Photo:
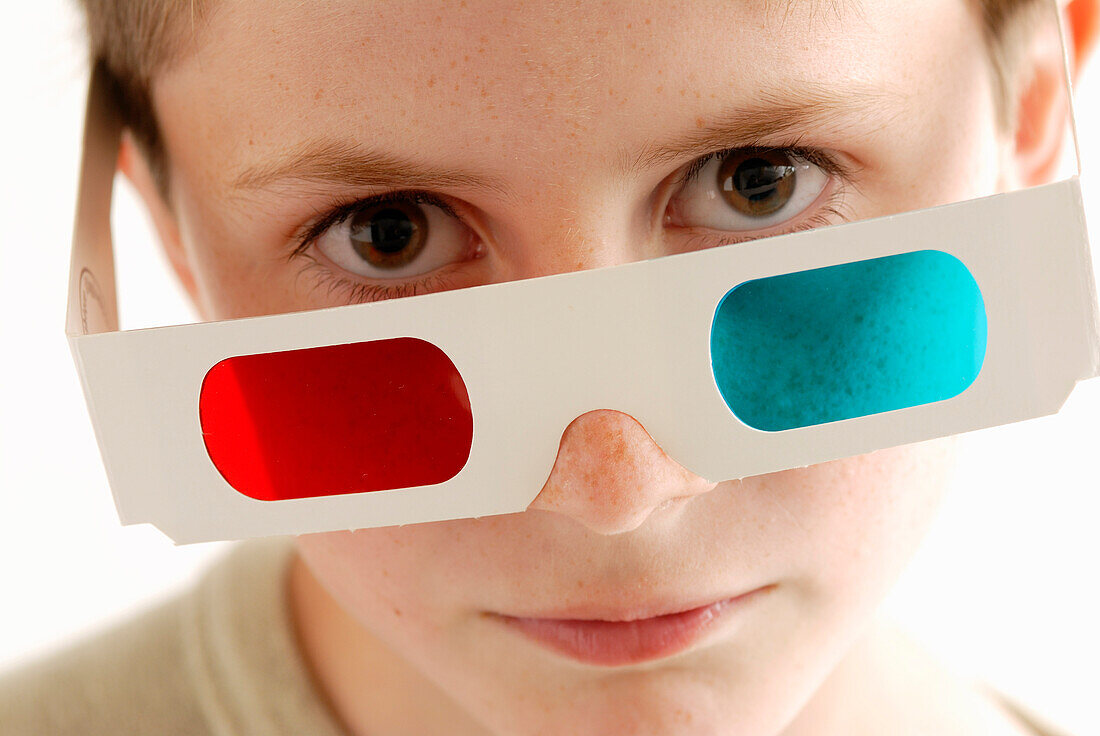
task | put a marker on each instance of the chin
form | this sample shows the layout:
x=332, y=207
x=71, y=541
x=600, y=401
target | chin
x=673, y=700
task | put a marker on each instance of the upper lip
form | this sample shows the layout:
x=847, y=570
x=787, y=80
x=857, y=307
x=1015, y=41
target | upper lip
x=625, y=609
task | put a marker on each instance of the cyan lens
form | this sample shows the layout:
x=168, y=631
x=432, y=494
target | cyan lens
x=847, y=341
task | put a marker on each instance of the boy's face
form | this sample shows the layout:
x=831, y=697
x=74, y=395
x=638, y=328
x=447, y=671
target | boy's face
x=536, y=125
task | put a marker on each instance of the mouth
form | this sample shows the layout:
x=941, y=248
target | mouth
x=612, y=639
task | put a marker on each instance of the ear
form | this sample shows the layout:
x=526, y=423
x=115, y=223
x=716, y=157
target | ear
x=134, y=166
x=1082, y=21
x=1041, y=107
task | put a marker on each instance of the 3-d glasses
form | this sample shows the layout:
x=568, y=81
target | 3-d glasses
x=738, y=360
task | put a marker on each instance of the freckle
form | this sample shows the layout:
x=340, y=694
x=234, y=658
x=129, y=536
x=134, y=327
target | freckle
x=648, y=21
x=660, y=88
x=465, y=57
x=431, y=81
x=317, y=94
x=250, y=142
x=683, y=92
x=456, y=88
x=487, y=139
x=453, y=64
x=698, y=122
x=396, y=611
x=629, y=25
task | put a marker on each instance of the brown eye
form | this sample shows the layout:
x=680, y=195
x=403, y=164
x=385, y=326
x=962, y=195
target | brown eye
x=757, y=183
x=389, y=235
x=749, y=190
x=398, y=237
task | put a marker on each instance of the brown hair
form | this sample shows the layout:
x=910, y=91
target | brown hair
x=135, y=39
x=1008, y=25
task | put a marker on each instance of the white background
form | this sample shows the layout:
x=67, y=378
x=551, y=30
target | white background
x=1004, y=588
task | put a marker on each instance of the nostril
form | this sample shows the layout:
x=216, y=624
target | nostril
x=678, y=501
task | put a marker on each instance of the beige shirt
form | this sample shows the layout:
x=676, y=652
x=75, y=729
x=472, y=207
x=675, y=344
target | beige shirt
x=219, y=660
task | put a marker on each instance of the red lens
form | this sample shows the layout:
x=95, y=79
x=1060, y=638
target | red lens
x=369, y=416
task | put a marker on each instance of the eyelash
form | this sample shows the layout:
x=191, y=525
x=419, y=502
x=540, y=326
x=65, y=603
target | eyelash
x=355, y=292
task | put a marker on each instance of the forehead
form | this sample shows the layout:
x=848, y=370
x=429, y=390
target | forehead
x=520, y=82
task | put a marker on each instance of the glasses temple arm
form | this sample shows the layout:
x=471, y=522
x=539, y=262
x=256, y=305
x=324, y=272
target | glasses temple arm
x=92, y=303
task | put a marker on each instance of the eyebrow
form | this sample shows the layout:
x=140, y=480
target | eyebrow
x=785, y=113
x=325, y=161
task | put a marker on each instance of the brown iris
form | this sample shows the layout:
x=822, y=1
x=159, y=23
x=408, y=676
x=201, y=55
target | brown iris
x=757, y=183
x=389, y=234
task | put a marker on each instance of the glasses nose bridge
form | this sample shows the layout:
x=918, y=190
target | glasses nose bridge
x=634, y=339
x=618, y=352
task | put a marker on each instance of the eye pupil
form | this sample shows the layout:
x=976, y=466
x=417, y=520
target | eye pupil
x=389, y=235
x=756, y=179
x=391, y=230
x=758, y=185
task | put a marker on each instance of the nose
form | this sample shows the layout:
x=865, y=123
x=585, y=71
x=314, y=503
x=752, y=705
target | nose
x=610, y=475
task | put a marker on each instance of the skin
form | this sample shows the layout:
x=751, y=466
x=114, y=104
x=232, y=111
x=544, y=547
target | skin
x=398, y=624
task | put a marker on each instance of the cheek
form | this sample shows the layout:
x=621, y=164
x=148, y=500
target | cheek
x=419, y=588
x=383, y=577
x=864, y=517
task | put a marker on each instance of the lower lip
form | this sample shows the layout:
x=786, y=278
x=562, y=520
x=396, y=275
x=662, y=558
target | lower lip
x=617, y=643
